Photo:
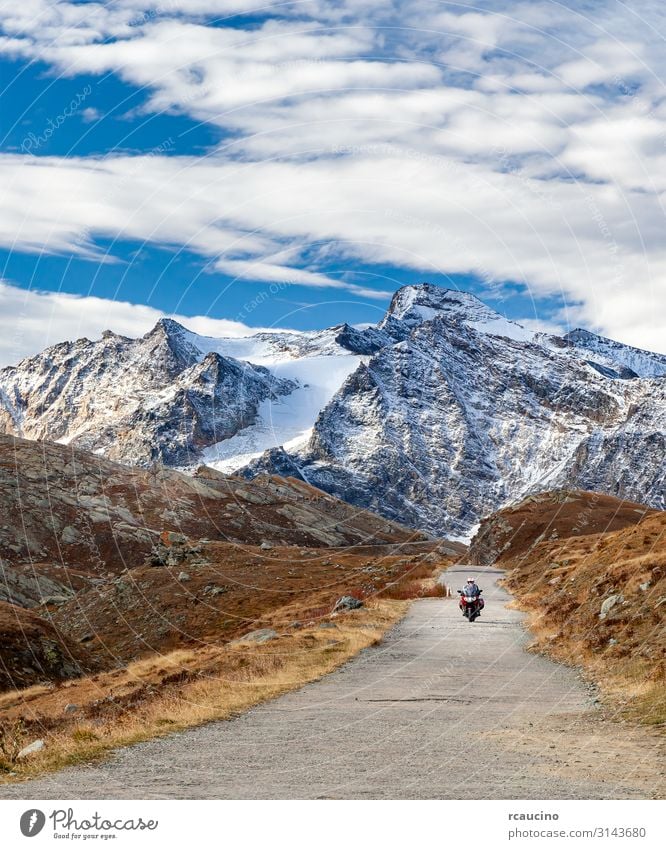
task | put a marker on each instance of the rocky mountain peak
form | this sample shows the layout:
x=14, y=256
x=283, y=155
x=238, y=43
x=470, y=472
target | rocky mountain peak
x=170, y=341
x=442, y=413
x=414, y=305
x=426, y=295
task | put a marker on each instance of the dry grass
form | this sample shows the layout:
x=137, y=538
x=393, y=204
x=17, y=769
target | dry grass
x=562, y=585
x=418, y=581
x=416, y=588
x=157, y=696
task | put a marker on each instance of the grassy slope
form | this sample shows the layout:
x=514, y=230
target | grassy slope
x=167, y=693
x=563, y=579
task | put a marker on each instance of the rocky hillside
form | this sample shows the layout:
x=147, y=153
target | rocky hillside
x=101, y=561
x=591, y=571
x=70, y=517
x=442, y=413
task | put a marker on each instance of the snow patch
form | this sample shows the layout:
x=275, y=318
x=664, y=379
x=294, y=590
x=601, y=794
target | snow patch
x=287, y=421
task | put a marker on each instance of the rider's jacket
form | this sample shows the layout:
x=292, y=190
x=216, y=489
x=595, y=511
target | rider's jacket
x=471, y=589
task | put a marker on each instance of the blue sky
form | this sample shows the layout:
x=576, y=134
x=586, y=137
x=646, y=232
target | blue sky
x=243, y=165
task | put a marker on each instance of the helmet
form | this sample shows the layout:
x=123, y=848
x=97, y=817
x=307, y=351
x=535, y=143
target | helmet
x=471, y=581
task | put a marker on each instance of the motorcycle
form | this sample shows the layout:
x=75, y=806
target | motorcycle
x=471, y=605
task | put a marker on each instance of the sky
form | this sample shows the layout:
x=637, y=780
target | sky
x=239, y=164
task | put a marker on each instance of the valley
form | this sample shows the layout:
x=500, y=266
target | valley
x=192, y=527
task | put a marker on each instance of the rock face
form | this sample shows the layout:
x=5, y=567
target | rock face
x=442, y=413
x=33, y=650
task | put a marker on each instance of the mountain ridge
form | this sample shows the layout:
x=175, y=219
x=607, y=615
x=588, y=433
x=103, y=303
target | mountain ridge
x=443, y=410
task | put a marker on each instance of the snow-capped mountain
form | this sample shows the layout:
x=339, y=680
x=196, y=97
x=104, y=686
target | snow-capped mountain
x=176, y=397
x=136, y=400
x=440, y=414
x=466, y=411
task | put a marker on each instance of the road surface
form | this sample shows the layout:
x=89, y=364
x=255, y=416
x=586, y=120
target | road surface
x=441, y=709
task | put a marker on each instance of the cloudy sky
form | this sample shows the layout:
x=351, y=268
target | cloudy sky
x=244, y=164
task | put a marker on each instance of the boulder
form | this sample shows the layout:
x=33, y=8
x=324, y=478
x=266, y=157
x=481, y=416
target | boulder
x=173, y=538
x=183, y=577
x=609, y=604
x=32, y=749
x=70, y=535
x=347, y=602
x=212, y=589
x=263, y=635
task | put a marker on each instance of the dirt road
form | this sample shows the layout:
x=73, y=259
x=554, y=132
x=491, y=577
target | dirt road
x=442, y=709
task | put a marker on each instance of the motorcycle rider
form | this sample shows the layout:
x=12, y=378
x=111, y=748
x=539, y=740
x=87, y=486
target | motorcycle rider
x=471, y=588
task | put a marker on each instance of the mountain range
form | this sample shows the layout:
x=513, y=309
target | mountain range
x=438, y=415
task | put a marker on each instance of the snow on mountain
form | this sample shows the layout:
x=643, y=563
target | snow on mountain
x=412, y=305
x=179, y=398
x=632, y=362
x=443, y=412
x=287, y=420
x=464, y=415
x=159, y=397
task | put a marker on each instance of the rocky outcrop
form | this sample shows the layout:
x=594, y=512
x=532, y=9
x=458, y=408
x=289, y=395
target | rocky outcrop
x=33, y=650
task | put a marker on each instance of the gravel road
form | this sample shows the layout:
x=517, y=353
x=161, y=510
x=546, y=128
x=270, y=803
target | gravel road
x=441, y=709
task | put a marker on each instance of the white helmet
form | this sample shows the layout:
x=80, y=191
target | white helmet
x=471, y=581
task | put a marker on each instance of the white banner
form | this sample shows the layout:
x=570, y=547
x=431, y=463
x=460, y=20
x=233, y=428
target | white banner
x=335, y=824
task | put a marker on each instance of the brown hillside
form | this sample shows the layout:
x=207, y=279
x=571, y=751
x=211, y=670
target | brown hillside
x=80, y=516
x=550, y=516
x=596, y=592
x=123, y=562
x=32, y=650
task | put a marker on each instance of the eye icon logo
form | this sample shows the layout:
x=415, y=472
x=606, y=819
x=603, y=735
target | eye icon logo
x=32, y=822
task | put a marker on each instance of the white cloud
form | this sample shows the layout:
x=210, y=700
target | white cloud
x=584, y=241
x=518, y=140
